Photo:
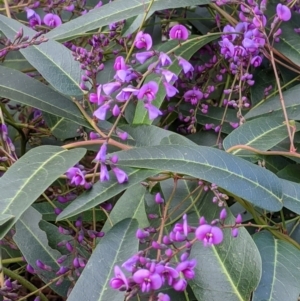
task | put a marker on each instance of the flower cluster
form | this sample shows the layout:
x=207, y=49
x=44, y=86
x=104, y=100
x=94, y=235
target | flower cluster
x=147, y=275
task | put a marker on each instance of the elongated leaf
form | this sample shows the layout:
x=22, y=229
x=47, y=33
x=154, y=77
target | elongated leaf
x=291, y=195
x=186, y=51
x=115, y=247
x=16, y=60
x=53, y=60
x=289, y=44
x=33, y=244
x=260, y=133
x=130, y=205
x=27, y=179
x=290, y=172
x=113, y=12
x=60, y=127
x=23, y=89
x=258, y=186
x=281, y=269
x=229, y=271
x=272, y=106
x=103, y=191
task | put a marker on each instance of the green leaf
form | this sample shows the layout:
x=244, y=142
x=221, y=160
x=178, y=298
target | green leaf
x=60, y=127
x=183, y=199
x=103, y=191
x=239, y=177
x=48, y=212
x=54, y=61
x=27, y=179
x=130, y=205
x=226, y=272
x=16, y=60
x=260, y=133
x=4, y=218
x=290, y=172
x=186, y=50
x=21, y=88
x=263, y=79
x=113, y=12
x=281, y=269
x=289, y=44
x=33, y=244
x=118, y=245
x=291, y=195
x=272, y=107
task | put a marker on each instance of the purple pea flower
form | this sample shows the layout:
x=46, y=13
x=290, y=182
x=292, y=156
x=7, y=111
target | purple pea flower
x=148, y=90
x=97, y=97
x=170, y=90
x=52, y=20
x=163, y=297
x=101, y=155
x=119, y=280
x=164, y=59
x=147, y=280
x=153, y=111
x=125, y=93
x=180, y=285
x=142, y=57
x=100, y=113
x=193, y=96
x=120, y=174
x=120, y=63
x=185, y=65
x=33, y=17
x=143, y=40
x=76, y=176
x=179, y=32
x=104, y=175
x=111, y=87
x=210, y=235
x=187, y=268
x=130, y=264
x=283, y=12
x=169, y=76
x=158, y=199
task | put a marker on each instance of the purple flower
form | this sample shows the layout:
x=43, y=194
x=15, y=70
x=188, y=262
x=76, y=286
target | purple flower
x=120, y=63
x=119, y=280
x=179, y=32
x=141, y=234
x=234, y=232
x=231, y=36
x=116, y=111
x=142, y=57
x=223, y=214
x=180, y=285
x=33, y=17
x=153, y=111
x=186, y=66
x=256, y=61
x=163, y=297
x=227, y=48
x=147, y=280
x=210, y=235
x=100, y=113
x=101, y=155
x=238, y=219
x=148, y=90
x=283, y=12
x=164, y=59
x=104, y=175
x=193, y=96
x=125, y=93
x=169, y=76
x=43, y=266
x=52, y=20
x=170, y=90
x=121, y=175
x=143, y=40
x=111, y=87
x=76, y=176
x=130, y=264
x=158, y=198
x=187, y=268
